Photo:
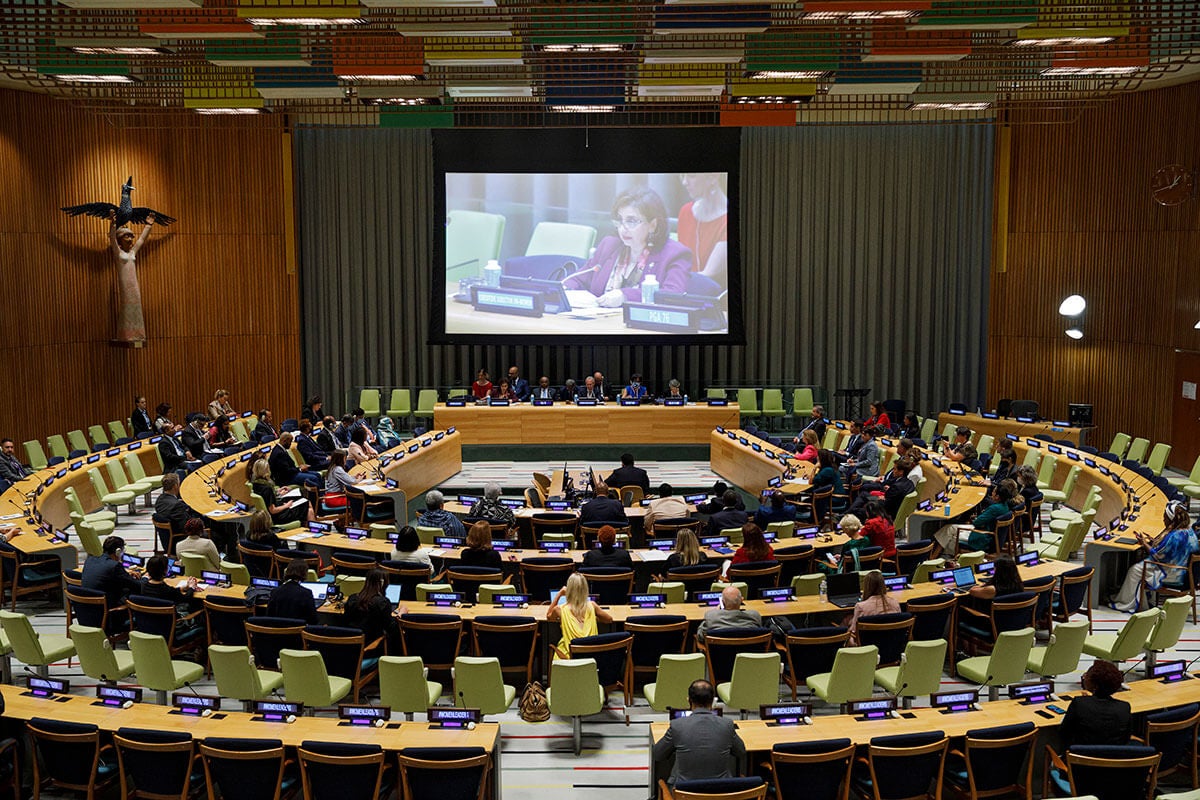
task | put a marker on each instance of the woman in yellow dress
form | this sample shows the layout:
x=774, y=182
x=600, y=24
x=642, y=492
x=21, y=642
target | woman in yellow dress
x=578, y=616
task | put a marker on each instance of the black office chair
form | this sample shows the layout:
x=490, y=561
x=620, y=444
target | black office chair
x=818, y=770
x=933, y=618
x=156, y=763
x=1173, y=734
x=225, y=618
x=439, y=773
x=654, y=636
x=909, y=556
x=248, y=769
x=258, y=559
x=70, y=756
x=268, y=635
x=902, y=766
x=613, y=665
x=510, y=640
x=716, y=789
x=1010, y=612
x=757, y=575
x=90, y=607
x=611, y=584
x=794, y=560
x=542, y=576
x=1074, y=596
x=433, y=637
x=721, y=646
x=1110, y=772
x=159, y=618
x=468, y=579
x=1025, y=408
x=337, y=769
x=889, y=632
x=993, y=761
x=811, y=651
x=696, y=578
x=344, y=563
x=406, y=575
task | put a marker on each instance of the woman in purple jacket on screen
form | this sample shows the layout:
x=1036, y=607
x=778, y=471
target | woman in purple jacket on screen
x=641, y=247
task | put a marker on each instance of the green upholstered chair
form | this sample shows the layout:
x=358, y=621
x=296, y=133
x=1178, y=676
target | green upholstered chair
x=6, y=652
x=368, y=401
x=907, y=506
x=985, y=444
x=1126, y=643
x=1063, y=493
x=34, y=454
x=237, y=677
x=561, y=239
x=117, y=431
x=1167, y=630
x=78, y=441
x=91, y=534
x=1005, y=664
x=478, y=683
x=1191, y=479
x=486, y=592
x=194, y=564
x=852, y=676
x=58, y=446
x=137, y=473
x=676, y=672
x=113, y=498
x=98, y=436
x=1158, y=458
x=238, y=574
x=1120, y=444
x=676, y=591
x=1061, y=515
x=306, y=681
x=121, y=483
x=426, y=400
x=423, y=590
x=772, y=407
x=156, y=670
x=1138, y=449
x=783, y=530
x=75, y=505
x=400, y=404
x=1060, y=547
x=832, y=435
x=755, y=681
x=238, y=428
x=97, y=658
x=928, y=429
x=919, y=672
x=428, y=533
x=32, y=649
x=472, y=239
x=715, y=394
x=807, y=585
x=1061, y=655
x=350, y=585
x=925, y=568
x=802, y=402
x=748, y=403
x=971, y=557
x=575, y=692
x=1031, y=458
x=403, y=685
x=1046, y=472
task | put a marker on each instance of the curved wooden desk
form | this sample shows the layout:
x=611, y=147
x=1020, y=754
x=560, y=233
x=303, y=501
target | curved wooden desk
x=1002, y=425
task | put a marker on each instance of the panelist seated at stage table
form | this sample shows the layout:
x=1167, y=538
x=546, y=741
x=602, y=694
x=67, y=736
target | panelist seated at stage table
x=434, y=516
x=730, y=516
x=169, y=507
x=601, y=384
x=576, y=613
x=665, y=506
x=866, y=461
x=674, y=391
x=310, y=450
x=544, y=391
x=505, y=392
x=607, y=554
x=602, y=507
x=518, y=385
x=291, y=600
x=641, y=248
x=1097, y=717
x=284, y=470
x=1171, y=551
x=729, y=614
x=11, y=469
x=490, y=507
x=635, y=390
x=481, y=389
x=105, y=573
x=568, y=392
x=628, y=474
x=589, y=390
x=704, y=744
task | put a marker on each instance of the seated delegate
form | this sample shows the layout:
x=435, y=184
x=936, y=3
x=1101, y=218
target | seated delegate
x=641, y=248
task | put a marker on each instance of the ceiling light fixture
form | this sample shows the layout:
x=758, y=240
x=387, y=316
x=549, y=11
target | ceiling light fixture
x=1074, y=333
x=1066, y=41
x=1072, y=306
x=395, y=101
x=117, y=51
x=582, y=47
x=861, y=15
x=1089, y=72
x=85, y=78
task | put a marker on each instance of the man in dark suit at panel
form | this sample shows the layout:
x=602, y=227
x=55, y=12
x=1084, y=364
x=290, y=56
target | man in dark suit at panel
x=704, y=745
x=601, y=508
x=544, y=391
x=284, y=470
x=629, y=475
x=194, y=437
x=518, y=385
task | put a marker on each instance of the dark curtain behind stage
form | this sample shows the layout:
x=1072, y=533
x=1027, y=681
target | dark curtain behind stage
x=865, y=263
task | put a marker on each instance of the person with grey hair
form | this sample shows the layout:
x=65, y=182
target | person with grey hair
x=491, y=509
x=434, y=516
x=567, y=395
x=729, y=614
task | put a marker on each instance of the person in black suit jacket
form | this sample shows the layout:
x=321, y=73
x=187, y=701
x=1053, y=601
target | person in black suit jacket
x=544, y=390
x=895, y=487
x=140, y=420
x=601, y=508
x=290, y=599
x=107, y=574
x=283, y=467
x=312, y=452
x=265, y=428
x=567, y=393
x=324, y=437
x=11, y=469
x=170, y=508
x=174, y=455
x=718, y=502
x=730, y=516
x=194, y=437
x=629, y=475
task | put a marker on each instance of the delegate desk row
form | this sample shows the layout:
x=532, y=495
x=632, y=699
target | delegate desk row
x=38, y=505
x=997, y=426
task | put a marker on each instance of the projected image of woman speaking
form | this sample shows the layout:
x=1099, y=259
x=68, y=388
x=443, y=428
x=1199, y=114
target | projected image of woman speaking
x=641, y=249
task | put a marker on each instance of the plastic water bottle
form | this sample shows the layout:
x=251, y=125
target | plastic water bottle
x=823, y=589
x=649, y=289
x=491, y=273
x=946, y=512
x=685, y=399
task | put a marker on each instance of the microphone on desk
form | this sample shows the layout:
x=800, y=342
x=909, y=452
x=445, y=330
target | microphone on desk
x=206, y=712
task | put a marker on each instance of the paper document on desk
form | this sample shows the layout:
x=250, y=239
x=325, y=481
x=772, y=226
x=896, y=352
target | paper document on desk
x=290, y=494
x=220, y=512
x=12, y=516
x=581, y=298
x=654, y=555
x=301, y=536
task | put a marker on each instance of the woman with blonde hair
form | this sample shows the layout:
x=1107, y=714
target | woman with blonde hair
x=809, y=451
x=687, y=550
x=578, y=615
x=281, y=512
x=219, y=407
x=853, y=528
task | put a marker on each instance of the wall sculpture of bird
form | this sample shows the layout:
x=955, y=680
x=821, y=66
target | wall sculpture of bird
x=126, y=212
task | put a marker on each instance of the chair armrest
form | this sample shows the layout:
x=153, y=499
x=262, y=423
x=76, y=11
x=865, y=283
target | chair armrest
x=507, y=580
x=974, y=612
x=373, y=646
x=1051, y=759
x=957, y=752
x=194, y=614
x=664, y=791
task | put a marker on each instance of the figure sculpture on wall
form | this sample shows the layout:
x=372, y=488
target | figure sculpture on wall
x=131, y=323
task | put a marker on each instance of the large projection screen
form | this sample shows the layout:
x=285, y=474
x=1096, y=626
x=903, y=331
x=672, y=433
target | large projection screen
x=575, y=237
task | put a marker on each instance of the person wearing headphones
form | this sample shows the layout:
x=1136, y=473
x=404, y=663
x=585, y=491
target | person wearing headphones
x=264, y=430
x=107, y=574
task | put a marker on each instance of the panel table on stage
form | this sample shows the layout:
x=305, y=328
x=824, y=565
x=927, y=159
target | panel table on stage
x=566, y=423
x=997, y=427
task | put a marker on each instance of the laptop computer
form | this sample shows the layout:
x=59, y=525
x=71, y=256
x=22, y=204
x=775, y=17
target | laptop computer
x=843, y=589
x=964, y=579
x=393, y=593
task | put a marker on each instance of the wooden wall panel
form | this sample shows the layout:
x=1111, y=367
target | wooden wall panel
x=1081, y=220
x=220, y=307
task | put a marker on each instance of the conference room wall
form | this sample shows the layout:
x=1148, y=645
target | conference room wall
x=1082, y=220
x=865, y=264
x=219, y=302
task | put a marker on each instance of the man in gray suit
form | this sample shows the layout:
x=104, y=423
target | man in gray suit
x=729, y=615
x=703, y=743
